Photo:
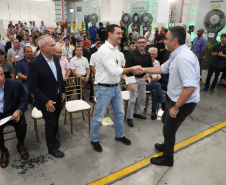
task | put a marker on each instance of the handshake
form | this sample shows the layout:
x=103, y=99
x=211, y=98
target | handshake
x=137, y=70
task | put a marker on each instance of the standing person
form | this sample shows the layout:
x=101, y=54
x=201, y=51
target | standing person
x=13, y=101
x=199, y=45
x=101, y=32
x=124, y=38
x=191, y=29
x=217, y=64
x=46, y=83
x=133, y=36
x=107, y=90
x=160, y=45
x=22, y=70
x=188, y=38
x=183, y=91
x=68, y=27
x=137, y=90
x=42, y=27
x=150, y=37
x=57, y=28
x=92, y=32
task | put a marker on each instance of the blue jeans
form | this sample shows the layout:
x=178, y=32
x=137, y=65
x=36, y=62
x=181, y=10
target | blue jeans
x=28, y=93
x=156, y=91
x=104, y=96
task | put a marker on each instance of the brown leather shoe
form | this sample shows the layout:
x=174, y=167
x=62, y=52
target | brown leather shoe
x=23, y=152
x=4, y=160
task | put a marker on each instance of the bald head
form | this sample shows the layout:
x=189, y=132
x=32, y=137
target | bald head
x=58, y=52
x=47, y=46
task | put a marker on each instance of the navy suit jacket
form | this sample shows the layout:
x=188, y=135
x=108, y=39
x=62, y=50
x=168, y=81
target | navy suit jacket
x=42, y=83
x=14, y=97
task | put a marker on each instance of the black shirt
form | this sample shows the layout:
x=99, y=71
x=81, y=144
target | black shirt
x=123, y=28
x=218, y=61
x=135, y=58
x=102, y=33
x=160, y=45
x=19, y=38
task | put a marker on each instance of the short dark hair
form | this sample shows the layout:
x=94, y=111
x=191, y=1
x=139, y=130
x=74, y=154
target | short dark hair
x=179, y=33
x=132, y=43
x=78, y=47
x=165, y=30
x=111, y=28
x=133, y=25
x=26, y=48
x=223, y=35
x=100, y=43
x=97, y=39
x=78, y=41
x=141, y=37
x=67, y=38
x=101, y=24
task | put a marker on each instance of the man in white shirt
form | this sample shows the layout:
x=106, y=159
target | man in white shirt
x=57, y=28
x=16, y=51
x=107, y=90
x=80, y=68
x=42, y=27
x=67, y=49
x=150, y=37
x=188, y=38
x=34, y=27
x=93, y=58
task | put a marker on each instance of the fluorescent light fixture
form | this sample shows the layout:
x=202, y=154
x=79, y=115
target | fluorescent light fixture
x=71, y=10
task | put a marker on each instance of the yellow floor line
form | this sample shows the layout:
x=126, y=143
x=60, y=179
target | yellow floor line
x=143, y=163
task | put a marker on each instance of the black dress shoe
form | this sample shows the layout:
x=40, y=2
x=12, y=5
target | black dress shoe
x=139, y=116
x=124, y=140
x=56, y=153
x=163, y=106
x=162, y=161
x=96, y=146
x=57, y=144
x=159, y=147
x=153, y=115
x=204, y=89
x=130, y=122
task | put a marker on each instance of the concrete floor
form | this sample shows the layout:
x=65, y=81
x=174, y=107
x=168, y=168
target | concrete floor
x=200, y=163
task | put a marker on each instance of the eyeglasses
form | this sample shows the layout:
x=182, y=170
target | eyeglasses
x=141, y=42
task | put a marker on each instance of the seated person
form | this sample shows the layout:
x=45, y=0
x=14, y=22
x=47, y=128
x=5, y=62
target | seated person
x=9, y=70
x=154, y=86
x=94, y=48
x=13, y=95
x=67, y=49
x=92, y=59
x=85, y=41
x=85, y=52
x=80, y=68
x=16, y=51
x=162, y=79
x=22, y=70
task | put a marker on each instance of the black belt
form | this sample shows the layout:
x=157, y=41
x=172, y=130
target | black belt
x=107, y=85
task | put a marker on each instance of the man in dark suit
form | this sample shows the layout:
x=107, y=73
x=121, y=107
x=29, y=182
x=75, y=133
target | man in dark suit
x=9, y=44
x=45, y=81
x=13, y=101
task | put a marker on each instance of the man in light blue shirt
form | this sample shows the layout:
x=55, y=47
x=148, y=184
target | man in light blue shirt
x=183, y=90
x=80, y=36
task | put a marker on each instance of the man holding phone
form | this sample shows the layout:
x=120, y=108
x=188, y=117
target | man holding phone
x=219, y=55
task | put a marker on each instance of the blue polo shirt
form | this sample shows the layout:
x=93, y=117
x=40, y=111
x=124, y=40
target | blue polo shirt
x=93, y=32
x=22, y=67
x=218, y=61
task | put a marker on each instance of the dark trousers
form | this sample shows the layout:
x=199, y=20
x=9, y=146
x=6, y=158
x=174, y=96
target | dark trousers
x=20, y=128
x=171, y=125
x=211, y=70
x=51, y=124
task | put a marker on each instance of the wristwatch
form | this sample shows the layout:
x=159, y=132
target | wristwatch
x=176, y=107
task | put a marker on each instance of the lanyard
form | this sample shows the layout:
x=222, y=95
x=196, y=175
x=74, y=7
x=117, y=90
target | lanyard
x=16, y=51
x=67, y=49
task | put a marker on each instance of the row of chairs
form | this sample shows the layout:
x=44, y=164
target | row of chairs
x=74, y=105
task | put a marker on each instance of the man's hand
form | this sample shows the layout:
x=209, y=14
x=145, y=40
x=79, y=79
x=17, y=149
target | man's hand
x=50, y=106
x=86, y=79
x=132, y=86
x=137, y=70
x=65, y=78
x=83, y=79
x=16, y=116
x=173, y=112
x=63, y=97
x=220, y=54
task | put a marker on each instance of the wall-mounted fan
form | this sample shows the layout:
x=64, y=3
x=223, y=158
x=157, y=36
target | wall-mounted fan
x=90, y=18
x=146, y=19
x=126, y=18
x=136, y=21
x=214, y=22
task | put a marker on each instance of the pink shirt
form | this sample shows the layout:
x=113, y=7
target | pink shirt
x=64, y=66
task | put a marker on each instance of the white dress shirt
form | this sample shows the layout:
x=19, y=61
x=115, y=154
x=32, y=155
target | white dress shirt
x=123, y=60
x=150, y=39
x=79, y=65
x=108, y=65
x=188, y=40
x=93, y=60
x=67, y=51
